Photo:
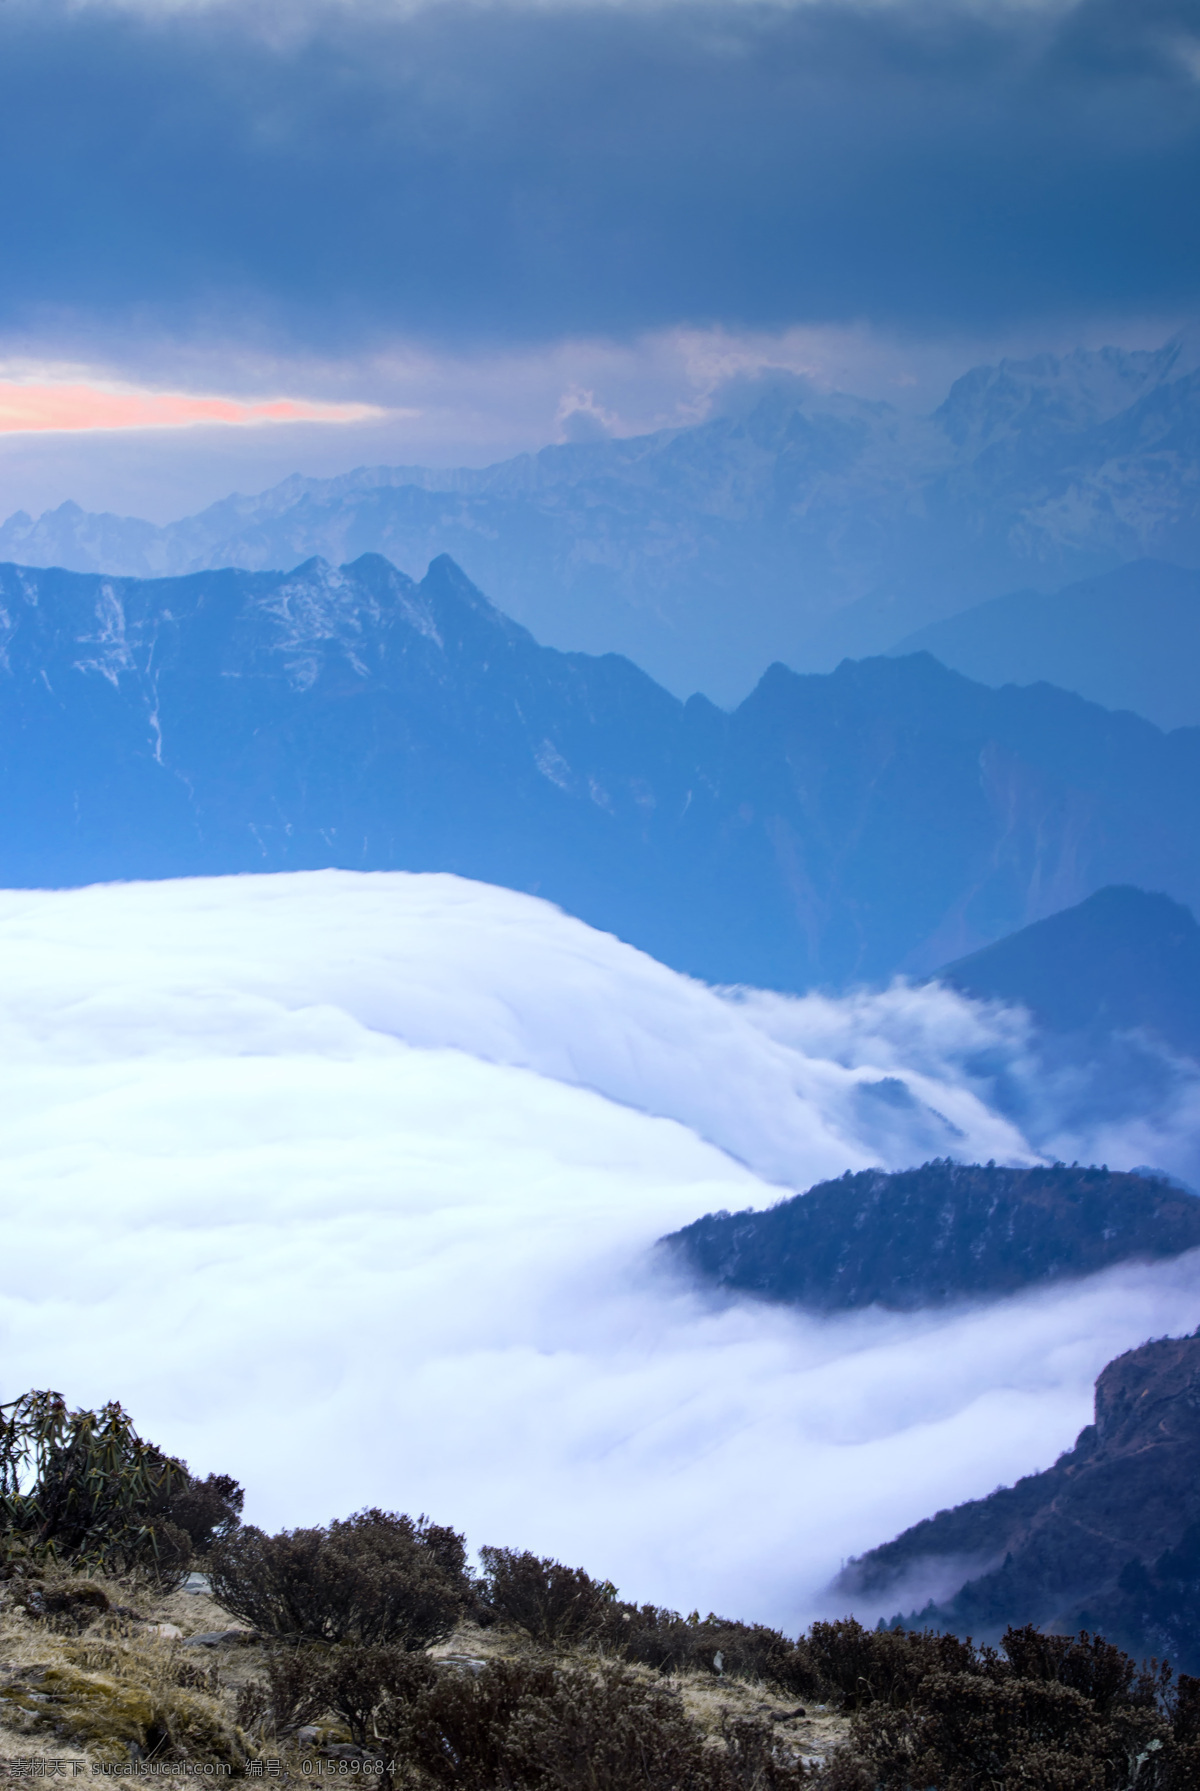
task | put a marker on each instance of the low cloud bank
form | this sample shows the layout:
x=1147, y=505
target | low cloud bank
x=345, y=1184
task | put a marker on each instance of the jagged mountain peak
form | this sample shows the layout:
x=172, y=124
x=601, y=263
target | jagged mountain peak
x=791, y=524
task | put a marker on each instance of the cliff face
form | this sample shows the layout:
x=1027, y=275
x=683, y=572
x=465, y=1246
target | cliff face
x=944, y=1232
x=1107, y=1538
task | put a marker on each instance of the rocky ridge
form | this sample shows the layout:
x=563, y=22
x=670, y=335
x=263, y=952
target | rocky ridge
x=1108, y=1538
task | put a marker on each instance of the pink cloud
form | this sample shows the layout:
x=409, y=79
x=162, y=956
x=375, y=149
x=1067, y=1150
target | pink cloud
x=28, y=407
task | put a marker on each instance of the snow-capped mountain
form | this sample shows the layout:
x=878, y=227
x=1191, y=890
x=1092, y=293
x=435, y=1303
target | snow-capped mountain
x=791, y=525
x=888, y=816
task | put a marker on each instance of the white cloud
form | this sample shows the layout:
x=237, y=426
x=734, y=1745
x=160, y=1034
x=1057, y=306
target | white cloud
x=345, y=1184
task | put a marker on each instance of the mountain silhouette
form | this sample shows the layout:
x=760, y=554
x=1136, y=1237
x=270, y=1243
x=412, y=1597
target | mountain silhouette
x=1123, y=959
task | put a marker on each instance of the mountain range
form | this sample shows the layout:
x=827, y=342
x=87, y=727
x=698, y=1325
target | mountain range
x=791, y=525
x=889, y=816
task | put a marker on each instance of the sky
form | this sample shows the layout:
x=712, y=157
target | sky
x=496, y=224
x=348, y=1185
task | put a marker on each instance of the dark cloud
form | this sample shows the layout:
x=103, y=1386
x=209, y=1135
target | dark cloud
x=503, y=173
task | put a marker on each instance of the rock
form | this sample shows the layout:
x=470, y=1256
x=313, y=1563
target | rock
x=222, y=1638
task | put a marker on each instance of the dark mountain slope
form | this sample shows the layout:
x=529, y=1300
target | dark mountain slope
x=887, y=816
x=1129, y=640
x=1121, y=959
x=944, y=1232
x=1106, y=1536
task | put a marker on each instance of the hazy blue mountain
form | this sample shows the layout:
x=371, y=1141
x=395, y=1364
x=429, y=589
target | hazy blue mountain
x=1107, y=1539
x=790, y=526
x=1129, y=639
x=930, y=1236
x=1121, y=959
x=889, y=816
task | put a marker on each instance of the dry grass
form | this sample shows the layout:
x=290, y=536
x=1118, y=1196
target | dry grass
x=116, y=1691
x=708, y=1699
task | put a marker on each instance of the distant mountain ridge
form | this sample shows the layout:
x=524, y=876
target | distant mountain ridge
x=889, y=816
x=1108, y=1538
x=935, y=1235
x=792, y=525
x=1129, y=639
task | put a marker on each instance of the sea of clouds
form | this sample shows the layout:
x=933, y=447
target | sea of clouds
x=348, y=1185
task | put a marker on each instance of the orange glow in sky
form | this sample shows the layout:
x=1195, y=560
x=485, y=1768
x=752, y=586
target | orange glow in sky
x=71, y=407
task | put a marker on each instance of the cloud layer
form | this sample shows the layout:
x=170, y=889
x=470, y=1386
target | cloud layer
x=347, y=1185
x=342, y=173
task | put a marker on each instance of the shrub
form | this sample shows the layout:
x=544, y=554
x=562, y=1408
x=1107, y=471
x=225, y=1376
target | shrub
x=662, y=1639
x=611, y=1731
x=552, y=1603
x=457, y=1732
x=1046, y=1713
x=83, y=1488
x=359, y=1684
x=291, y=1692
x=967, y=1731
x=207, y=1511
x=376, y=1577
x=523, y=1723
x=1105, y=1675
x=859, y=1667
x=1184, y=1767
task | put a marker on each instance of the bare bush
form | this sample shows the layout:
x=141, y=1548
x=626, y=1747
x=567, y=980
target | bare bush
x=458, y=1731
x=609, y=1730
x=859, y=1667
x=360, y=1684
x=1046, y=1713
x=526, y=1724
x=550, y=1602
x=660, y=1638
x=373, y=1578
x=1104, y=1674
